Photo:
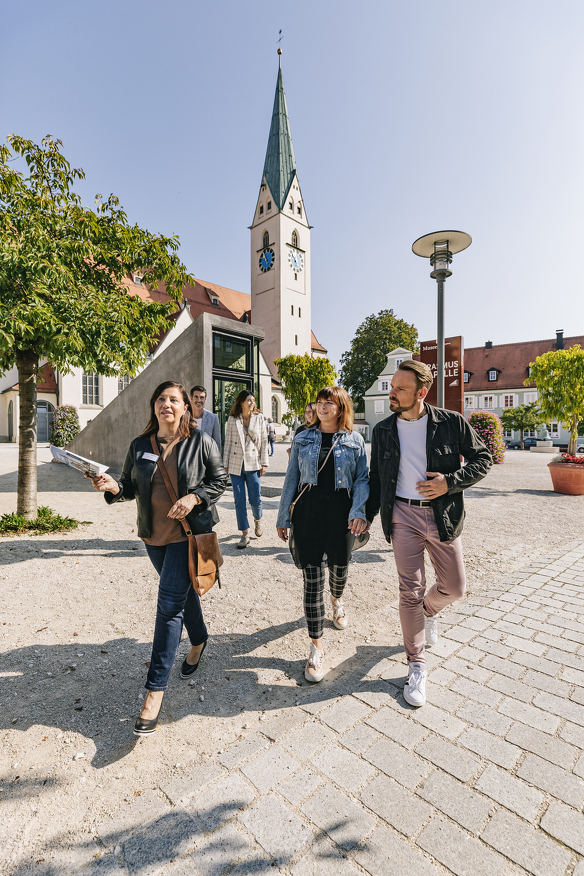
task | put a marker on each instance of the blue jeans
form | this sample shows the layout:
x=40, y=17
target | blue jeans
x=177, y=604
x=238, y=482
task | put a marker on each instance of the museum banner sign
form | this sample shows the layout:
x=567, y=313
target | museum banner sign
x=453, y=371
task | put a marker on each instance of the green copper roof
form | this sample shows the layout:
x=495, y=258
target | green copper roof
x=280, y=164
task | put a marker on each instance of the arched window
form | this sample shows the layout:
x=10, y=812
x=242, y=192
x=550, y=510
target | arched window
x=291, y=205
x=261, y=209
x=274, y=409
x=299, y=209
x=294, y=238
x=266, y=240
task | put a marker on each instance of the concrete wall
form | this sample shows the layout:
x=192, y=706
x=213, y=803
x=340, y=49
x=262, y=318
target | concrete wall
x=187, y=360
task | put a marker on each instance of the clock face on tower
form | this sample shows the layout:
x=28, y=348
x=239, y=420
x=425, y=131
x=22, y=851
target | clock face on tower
x=296, y=260
x=267, y=260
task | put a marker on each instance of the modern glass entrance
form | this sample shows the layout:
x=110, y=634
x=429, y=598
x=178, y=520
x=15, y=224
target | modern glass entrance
x=224, y=394
x=235, y=367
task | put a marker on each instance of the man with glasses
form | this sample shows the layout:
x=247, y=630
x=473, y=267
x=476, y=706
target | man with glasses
x=206, y=420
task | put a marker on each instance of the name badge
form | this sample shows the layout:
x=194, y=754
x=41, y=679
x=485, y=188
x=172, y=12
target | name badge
x=150, y=457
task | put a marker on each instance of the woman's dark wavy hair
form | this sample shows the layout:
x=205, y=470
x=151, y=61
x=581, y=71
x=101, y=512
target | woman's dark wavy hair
x=187, y=423
x=238, y=405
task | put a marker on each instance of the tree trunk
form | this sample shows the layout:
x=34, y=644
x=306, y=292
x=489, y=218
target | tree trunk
x=573, y=445
x=521, y=444
x=27, y=363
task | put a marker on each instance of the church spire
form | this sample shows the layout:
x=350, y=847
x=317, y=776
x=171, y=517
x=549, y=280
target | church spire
x=280, y=164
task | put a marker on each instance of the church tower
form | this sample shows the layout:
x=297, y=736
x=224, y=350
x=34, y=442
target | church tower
x=280, y=247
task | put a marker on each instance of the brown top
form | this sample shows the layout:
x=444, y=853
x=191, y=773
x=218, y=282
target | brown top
x=165, y=530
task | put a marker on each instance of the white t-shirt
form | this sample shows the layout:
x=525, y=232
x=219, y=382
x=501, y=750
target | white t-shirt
x=199, y=422
x=412, y=464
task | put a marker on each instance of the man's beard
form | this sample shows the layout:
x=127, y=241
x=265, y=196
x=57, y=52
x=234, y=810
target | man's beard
x=398, y=409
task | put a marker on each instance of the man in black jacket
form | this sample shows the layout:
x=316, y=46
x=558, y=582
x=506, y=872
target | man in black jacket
x=416, y=480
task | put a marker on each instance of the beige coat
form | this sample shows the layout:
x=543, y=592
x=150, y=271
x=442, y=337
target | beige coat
x=251, y=453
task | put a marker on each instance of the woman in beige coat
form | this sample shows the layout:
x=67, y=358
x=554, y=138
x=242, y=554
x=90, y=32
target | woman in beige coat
x=245, y=457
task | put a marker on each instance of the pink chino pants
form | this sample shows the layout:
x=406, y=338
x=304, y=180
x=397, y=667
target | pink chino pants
x=414, y=529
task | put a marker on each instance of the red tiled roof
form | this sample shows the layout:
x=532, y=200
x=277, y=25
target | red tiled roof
x=315, y=345
x=510, y=360
x=47, y=384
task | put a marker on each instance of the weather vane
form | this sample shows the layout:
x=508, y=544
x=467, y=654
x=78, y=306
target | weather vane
x=279, y=47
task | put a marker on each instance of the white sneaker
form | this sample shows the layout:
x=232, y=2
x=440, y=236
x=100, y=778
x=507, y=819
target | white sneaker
x=415, y=689
x=432, y=630
x=339, y=618
x=314, y=670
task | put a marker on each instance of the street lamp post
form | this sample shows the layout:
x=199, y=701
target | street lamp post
x=439, y=247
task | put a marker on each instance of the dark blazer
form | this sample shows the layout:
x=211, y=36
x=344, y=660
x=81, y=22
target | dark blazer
x=449, y=436
x=200, y=471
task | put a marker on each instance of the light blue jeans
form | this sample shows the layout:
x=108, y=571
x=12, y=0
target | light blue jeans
x=239, y=482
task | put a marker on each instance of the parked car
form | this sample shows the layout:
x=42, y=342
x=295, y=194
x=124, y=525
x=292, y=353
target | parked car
x=516, y=445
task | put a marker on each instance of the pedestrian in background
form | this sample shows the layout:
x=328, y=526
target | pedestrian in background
x=271, y=434
x=309, y=418
x=246, y=459
x=417, y=482
x=206, y=420
x=196, y=472
x=327, y=485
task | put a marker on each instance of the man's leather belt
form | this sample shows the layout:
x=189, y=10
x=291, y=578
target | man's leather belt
x=419, y=503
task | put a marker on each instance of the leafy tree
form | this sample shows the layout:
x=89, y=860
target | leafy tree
x=522, y=417
x=374, y=339
x=302, y=377
x=559, y=377
x=62, y=293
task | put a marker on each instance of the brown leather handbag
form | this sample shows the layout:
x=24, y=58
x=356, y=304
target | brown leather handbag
x=205, y=556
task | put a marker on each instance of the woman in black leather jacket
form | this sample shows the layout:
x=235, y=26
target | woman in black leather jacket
x=194, y=466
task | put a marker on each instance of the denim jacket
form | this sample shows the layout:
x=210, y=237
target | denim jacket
x=351, y=470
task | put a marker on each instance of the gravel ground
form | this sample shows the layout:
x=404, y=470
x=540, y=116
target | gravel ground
x=77, y=613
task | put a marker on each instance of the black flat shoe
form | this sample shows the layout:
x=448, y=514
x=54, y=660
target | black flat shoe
x=187, y=669
x=143, y=727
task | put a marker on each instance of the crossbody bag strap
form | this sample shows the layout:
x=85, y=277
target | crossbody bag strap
x=306, y=486
x=167, y=481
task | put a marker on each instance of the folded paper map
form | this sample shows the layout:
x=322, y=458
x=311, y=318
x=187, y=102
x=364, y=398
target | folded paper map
x=88, y=466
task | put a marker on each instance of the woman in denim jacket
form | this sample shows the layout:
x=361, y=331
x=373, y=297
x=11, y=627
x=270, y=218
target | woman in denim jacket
x=328, y=481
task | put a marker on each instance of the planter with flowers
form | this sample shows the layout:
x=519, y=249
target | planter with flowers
x=567, y=473
x=559, y=377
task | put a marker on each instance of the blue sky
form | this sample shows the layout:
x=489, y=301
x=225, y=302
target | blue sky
x=406, y=118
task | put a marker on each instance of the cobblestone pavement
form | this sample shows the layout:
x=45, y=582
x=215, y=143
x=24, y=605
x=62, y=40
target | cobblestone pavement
x=344, y=777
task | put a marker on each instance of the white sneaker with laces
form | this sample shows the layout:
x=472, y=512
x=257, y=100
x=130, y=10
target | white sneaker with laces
x=432, y=630
x=339, y=617
x=415, y=689
x=314, y=670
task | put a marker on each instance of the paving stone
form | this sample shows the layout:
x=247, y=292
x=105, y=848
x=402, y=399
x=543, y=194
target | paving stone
x=553, y=779
x=573, y=734
x=489, y=614
x=529, y=715
x=458, y=851
x=535, y=648
x=510, y=792
x=558, y=706
x=450, y=758
x=567, y=826
x=342, y=819
x=525, y=845
x=513, y=629
x=471, y=654
x=343, y=767
x=492, y=645
x=540, y=664
x=323, y=859
x=344, y=713
x=224, y=848
x=445, y=647
x=559, y=644
x=299, y=786
x=303, y=742
x=578, y=695
x=439, y=721
x=490, y=747
x=394, y=804
x=483, y=716
x=468, y=670
x=461, y=804
x=459, y=634
x=317, y=700
x=543, y=682
x=375, y=692
x=240, y=751
x=377, y=668
x=148, y=807
x=477, y=692
x=222, y=800
x=171, y=836
x=253, y=865
x=397, y=727
x=385, y=854
x=475, y=623
x=542, y=744
x=565, y=659
x=269, y=768
x=181, y=787
x=396, y=762
x=279, y=724
x=504, y=667
x=359, y=738
x=441, y=676
x=444, y=698
x=396, y=675
x=276, y=828
x=511, y=688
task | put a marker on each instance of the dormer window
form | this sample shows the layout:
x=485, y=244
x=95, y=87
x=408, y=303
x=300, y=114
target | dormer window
x=269, y=205
x=493, y=375
x=261, y=209
x=213, y=297
x=137, y=279
x=466, y=376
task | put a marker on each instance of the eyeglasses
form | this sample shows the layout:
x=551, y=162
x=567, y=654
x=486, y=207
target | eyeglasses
x=326, y=404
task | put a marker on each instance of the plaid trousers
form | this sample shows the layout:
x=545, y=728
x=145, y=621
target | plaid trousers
x=314, y=577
